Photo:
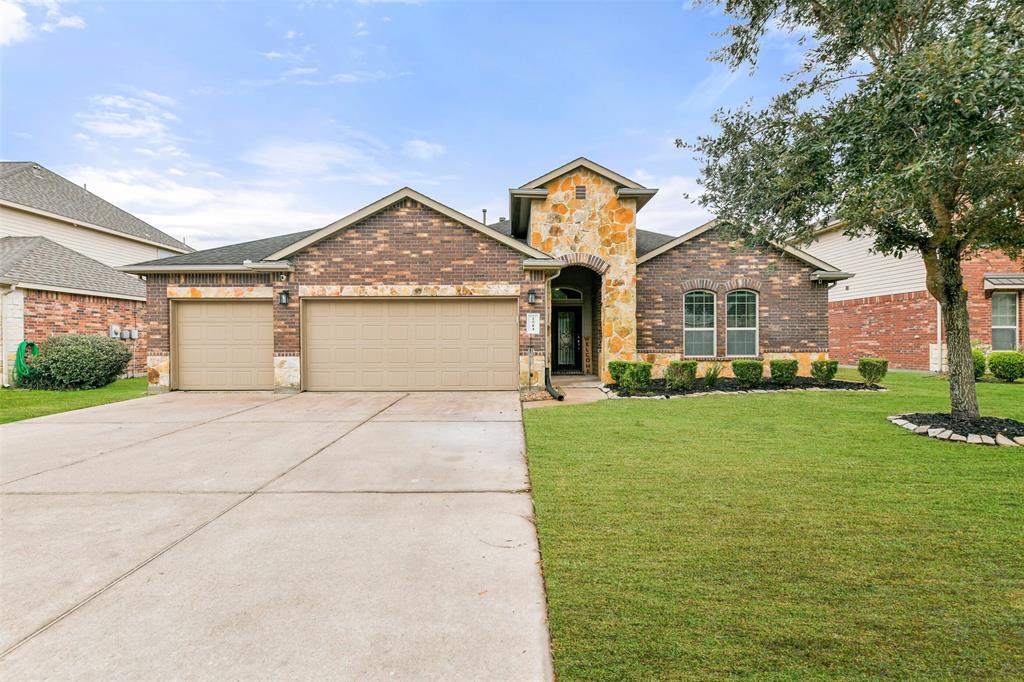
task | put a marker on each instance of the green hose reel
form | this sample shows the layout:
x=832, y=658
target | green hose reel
x=20, y=366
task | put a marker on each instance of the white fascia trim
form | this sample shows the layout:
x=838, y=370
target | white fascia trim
x=393, y=198
x=89, y=226
x=589, y=165
x=79, y=292
x=667, y=246
x=830, y=275
x=543, y=264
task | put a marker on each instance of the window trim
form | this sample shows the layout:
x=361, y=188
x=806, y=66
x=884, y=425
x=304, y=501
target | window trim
x=1016, y=319
x=713, y=327
x=756, y=328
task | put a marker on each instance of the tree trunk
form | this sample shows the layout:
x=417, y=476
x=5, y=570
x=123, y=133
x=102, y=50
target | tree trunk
x=946, y=283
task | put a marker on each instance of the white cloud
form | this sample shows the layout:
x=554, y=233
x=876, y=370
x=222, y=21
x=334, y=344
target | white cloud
x=670, y=211
x=291, y=35
x=126, y=117
x=423, y=150
x=301, y=71
x=307, y=158
x=705, y=94
x=271, y=55
x=14, y=26
x=63, y=22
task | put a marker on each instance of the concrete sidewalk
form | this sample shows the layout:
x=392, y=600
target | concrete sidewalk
x=248, y=535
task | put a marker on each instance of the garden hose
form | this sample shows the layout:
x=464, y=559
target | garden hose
x=19, y=362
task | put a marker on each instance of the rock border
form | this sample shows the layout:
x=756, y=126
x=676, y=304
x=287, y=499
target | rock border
x=792, y=389
x=950, y=435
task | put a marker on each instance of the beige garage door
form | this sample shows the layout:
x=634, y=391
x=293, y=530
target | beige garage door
x=224, y=345
x=400, y=344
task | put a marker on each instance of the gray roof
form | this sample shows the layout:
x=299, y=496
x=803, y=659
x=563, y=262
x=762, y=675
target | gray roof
x=37, y=260
x=29, y=184
x=647, y=241
x=233, y=254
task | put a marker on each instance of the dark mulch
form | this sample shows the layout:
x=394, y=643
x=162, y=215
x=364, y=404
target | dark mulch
x=733, y=386
x=985, y=426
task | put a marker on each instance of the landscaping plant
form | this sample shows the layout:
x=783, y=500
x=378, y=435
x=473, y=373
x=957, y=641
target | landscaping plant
x=76, y=361
x=680, y=375
x=824, y=371
x=783, y=371
x=748, y=372
x=712, y=372
x=1006, y=365
x=979, y=363
x=637, y=377
x=873, y=370
x=903, y=125
x=617, y=368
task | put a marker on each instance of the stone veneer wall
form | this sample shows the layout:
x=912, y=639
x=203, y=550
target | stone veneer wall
x=603, y=226
x=46, y=313
x=792, y=310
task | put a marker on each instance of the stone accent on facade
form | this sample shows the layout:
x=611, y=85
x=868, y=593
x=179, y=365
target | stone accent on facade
x=220, y=292
x=287, y=374
x=599, y=226
x=158, y=370
x=45, y=313
x=660, y=360
x=792, y=309
x=408, y=290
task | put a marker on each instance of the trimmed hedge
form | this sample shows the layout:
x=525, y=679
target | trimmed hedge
x=824, y=371
x=873, y=369
x=637, y=377
x=1006, y=365
x=978, y=357
x=748, y=372
x=783, y=371
x=617, y=368
x=680, y=375
x=75, y=361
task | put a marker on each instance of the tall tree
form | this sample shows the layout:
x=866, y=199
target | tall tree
x=905, y=123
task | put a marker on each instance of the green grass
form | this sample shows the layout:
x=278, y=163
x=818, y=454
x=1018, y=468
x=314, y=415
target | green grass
x=17, y=404
x=779, y=537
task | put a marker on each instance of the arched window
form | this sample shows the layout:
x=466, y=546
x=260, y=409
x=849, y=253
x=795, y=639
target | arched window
x=741, y=323
x=566, y=294
x=699, y=324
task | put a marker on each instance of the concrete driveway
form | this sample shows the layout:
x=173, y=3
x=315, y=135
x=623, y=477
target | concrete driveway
x=254, y=536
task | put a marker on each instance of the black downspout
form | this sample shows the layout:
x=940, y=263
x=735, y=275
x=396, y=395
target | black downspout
x=548, y=385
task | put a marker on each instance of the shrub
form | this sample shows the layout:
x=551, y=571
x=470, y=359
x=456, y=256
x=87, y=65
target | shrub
x=873, y=369
x=1006, y=365
x=748, y=372
x=712, y=373
x=637, y=377
x=783, y=371
x=680, y=375
x=979, y=363
x=824, y=371
x=617, y=368
x=75, y=361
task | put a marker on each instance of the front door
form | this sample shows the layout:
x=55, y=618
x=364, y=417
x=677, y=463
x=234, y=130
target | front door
x=567, y=340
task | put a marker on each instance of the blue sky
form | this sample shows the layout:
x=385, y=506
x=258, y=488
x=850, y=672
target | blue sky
x=226, y=121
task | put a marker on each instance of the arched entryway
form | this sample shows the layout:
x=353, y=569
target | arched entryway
x=575, y=339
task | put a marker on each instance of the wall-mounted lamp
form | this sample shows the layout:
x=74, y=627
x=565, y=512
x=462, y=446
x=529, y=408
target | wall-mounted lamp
x=531, y=296
x=282, y=297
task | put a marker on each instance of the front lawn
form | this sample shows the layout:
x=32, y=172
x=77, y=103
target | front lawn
x=17, y=404
x=779, y=536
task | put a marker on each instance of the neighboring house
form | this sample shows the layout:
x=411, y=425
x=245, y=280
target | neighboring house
x=59, y=245
x=887, y=311
x=409, y=294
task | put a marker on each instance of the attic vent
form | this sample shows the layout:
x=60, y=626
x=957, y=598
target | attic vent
x=581, y=192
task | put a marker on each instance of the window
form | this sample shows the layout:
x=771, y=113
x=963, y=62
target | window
x=566, y=294
x=581, y=192
x=741, y=323
x=699, y=324
x=1004, y=320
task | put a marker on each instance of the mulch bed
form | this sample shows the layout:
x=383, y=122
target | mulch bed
x=729, y=385
x=985, y=426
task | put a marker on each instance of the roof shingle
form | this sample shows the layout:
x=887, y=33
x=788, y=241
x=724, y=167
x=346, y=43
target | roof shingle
x=26, y=261
x=232, y=254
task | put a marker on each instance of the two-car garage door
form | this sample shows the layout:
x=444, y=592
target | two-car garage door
x=410, y=344
x=352, y=344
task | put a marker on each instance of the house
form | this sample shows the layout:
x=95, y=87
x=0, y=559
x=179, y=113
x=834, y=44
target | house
x=59, y=245
x=886, y=309
x=409, y=294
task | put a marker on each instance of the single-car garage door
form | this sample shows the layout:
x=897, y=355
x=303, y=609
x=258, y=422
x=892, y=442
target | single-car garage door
x=410, y=344
x=224, y=345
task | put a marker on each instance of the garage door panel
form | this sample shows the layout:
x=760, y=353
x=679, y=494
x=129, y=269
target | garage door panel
x=425, y=344
x=224, y=345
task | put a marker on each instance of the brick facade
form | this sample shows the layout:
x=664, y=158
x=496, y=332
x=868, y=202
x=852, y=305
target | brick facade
x=49, y=312
x=903, y=327
x=792, y=309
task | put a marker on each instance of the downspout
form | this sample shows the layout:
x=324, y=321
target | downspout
x=552, y=391
x=3, y=332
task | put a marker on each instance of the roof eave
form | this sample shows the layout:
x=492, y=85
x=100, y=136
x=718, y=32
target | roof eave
x=519, y=203
x=830, y=275
x=642, y=196
x=267, y=266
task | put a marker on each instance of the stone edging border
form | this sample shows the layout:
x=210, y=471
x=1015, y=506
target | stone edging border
x=950, y=435
x=615, y=396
